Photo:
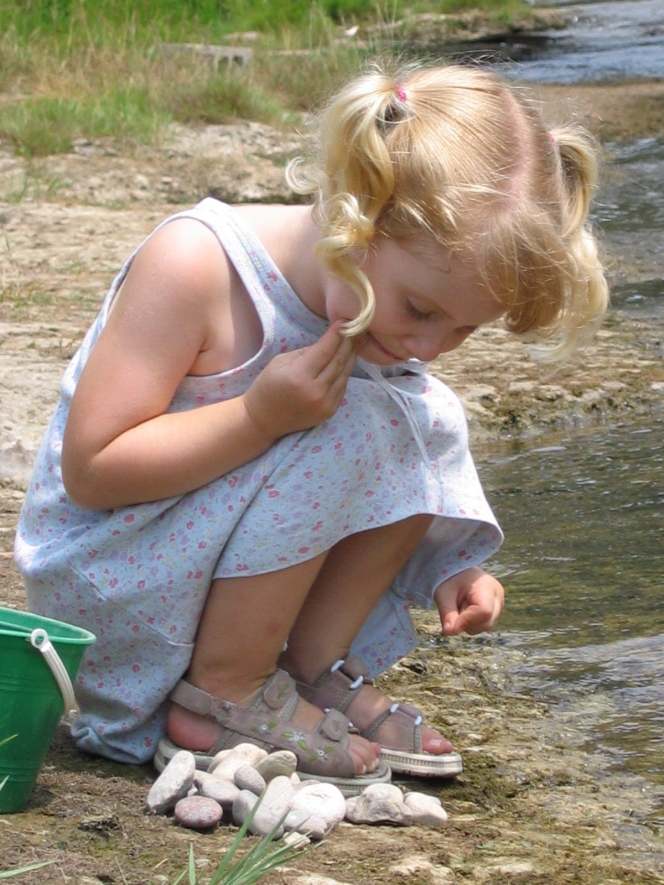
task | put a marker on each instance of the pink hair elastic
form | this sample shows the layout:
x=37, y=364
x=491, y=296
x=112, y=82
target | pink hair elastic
x=401, y=92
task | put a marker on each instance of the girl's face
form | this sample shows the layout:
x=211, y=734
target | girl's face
x=426, y=302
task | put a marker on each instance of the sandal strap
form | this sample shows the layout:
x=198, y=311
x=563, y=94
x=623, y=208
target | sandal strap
x=408, y=722
x=337, y=687
x=267, y=722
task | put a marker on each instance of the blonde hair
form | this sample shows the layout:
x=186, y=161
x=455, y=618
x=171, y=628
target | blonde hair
x=458, y=153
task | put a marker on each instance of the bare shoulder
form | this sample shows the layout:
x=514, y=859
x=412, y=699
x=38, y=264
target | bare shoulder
x=186, y=255
x=180, y=279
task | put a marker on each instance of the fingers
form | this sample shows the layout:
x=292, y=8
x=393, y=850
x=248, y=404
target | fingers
x=475, y=619
x=329, y=362
x=332, y=355
x=471, y=602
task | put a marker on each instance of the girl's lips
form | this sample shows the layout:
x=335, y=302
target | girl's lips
x=383, y=349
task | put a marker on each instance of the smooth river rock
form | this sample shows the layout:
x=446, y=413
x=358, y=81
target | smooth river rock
x=322, y=803
x=281, y=762
x=264, y=821
x=198, y=812
x=227, y=762
x=173, y=783
x=379, y=803
x=427, y=810
x=279, y=795
x=222, y=791
x=247, y=778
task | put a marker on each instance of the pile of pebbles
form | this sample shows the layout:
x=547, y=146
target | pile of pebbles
x=236, y=778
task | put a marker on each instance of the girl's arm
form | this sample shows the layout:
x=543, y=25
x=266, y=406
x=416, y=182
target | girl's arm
x=181, y=310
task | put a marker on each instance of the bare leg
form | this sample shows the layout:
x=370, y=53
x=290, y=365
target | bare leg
x=242, y=631
x=353, y=577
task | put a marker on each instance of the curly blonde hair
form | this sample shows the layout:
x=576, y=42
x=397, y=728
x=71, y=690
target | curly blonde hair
x=457, y=152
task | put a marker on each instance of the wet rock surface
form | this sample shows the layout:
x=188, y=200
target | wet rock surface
x=531, y=805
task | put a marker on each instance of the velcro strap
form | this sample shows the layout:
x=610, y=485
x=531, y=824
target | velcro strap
x=333, y=726
x=278, y=689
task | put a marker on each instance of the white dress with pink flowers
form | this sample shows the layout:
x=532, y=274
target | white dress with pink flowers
x=138, y=576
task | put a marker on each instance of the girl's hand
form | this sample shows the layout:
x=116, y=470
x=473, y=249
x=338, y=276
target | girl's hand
x=302, y=388
x=469, y=602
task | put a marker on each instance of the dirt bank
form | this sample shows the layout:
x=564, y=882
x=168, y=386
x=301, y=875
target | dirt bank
x=532, y=807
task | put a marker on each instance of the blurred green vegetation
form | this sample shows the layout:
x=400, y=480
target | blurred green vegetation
x=93, y=68
x=177, y=20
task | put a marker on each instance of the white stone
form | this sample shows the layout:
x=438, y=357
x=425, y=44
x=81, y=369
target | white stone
x=219, y=757
x=427, y=810
x=296, y=840
x=321, y=801
x=295, y=819
x=379, y=803
x=222, y=791
x=173, y=783
x=301, y=821
x=244, y=754
x=279, y=795
x=198, y=813
x=247, y=778
x=263, y=822
x=280, y=762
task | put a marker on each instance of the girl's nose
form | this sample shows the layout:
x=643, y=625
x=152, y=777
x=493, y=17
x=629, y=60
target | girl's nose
x=427, y=346
x=424, y=351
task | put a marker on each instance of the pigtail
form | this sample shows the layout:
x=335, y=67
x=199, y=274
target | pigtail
x=579, y=172
x=357, y=181
x=586, y=291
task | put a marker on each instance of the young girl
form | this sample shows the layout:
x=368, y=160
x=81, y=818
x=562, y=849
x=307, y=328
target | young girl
x=250, y=475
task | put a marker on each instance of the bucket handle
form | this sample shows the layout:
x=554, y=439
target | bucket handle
x=39, y=640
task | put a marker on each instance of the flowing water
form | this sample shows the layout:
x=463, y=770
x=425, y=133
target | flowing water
x=583, y=562
x=603, y=41
x=583, y=511
x=623, y=39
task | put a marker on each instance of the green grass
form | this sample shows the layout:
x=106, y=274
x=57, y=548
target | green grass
x=175, y=19
x=47, y=124
x=92, y=68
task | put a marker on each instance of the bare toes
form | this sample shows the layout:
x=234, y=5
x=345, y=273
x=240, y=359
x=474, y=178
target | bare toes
x=433, y=742
x=365, y=754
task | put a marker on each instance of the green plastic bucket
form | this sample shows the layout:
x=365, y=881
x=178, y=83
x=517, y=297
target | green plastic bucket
x=39, y=659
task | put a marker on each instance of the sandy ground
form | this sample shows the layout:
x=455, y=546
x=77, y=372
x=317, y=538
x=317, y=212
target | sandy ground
x=532, y=807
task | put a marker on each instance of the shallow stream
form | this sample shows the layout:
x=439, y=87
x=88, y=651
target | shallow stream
x=603, y=41
x=583, y=563
x=583, y=511
x=620, y=39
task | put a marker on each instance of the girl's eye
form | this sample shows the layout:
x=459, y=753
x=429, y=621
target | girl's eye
x=416, y=314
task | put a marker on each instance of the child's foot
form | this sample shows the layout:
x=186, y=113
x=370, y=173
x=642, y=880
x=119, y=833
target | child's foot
x=193, y=731
x=408, y=745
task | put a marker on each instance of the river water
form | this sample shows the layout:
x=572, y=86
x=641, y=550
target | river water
x=583, y=511
x=583, y=560
x=604, y=41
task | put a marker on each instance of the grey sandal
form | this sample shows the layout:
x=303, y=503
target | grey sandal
x=398, y=730
x=267, y=722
